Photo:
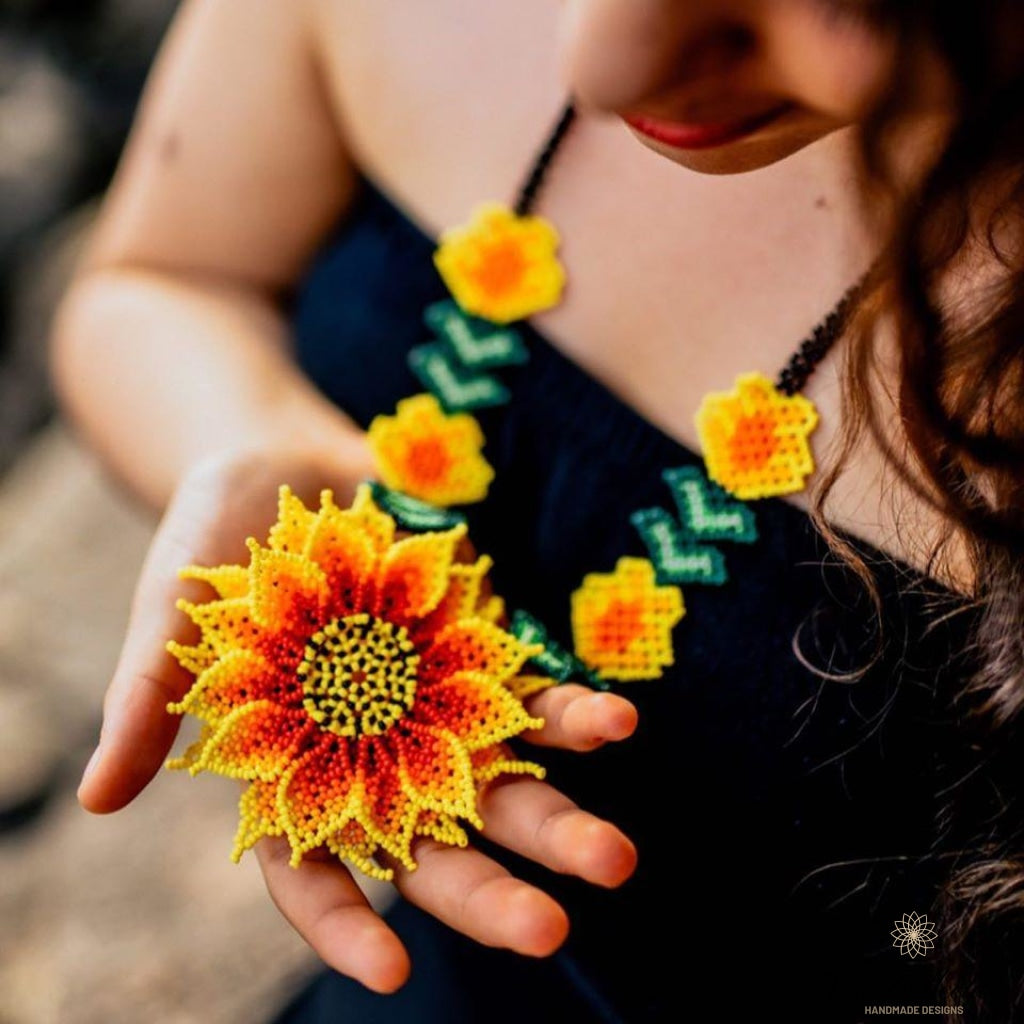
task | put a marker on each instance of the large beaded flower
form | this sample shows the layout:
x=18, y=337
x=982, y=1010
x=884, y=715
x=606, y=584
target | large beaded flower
x=361, y=684
x=755, y=439
x=501, y=266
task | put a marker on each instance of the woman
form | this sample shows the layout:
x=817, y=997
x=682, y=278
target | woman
x=797, y=783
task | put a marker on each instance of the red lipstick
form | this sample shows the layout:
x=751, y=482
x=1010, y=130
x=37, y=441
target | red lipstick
x=705, y=135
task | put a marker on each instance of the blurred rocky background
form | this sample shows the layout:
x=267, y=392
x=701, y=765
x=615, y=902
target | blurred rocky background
x=70, y=75
x=137, y=918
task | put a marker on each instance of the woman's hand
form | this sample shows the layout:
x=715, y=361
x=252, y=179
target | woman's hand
x=219, y=504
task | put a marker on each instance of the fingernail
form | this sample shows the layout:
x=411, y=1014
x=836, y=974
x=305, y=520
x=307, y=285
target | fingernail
x=90, y=767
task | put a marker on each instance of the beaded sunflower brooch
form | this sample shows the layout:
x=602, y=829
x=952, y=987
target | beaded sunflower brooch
x=360, y=683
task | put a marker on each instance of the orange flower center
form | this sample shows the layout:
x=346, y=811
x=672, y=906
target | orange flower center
x=753, y=442
x=428, y=461
x=619, y=625
x=501, y=267
x=358, y=675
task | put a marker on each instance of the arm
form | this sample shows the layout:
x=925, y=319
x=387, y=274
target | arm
x=170, y=345
x=171, y=353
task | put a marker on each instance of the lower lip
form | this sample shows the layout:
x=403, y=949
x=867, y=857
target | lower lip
x=701, y=136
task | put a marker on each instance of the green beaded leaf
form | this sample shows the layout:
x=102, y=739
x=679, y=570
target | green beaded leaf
x=477, y=344
x=554, y=661
x=676, y=558
x=413, y=514
x=707, y=511
x=455, y=387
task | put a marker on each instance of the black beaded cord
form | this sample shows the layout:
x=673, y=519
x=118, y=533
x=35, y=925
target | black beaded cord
x=528, y=193
x=803, y=362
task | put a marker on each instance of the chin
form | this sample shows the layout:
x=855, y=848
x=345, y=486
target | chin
x=761, y=149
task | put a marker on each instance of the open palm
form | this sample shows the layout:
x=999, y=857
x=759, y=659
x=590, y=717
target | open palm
x=216, y=507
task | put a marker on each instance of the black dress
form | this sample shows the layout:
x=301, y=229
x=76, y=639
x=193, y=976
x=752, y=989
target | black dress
x=784, y=821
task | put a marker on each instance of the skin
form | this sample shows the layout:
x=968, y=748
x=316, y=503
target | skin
x=715, y=61
x=171, y=349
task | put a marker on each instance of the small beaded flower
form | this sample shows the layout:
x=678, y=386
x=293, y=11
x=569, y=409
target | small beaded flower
x=622, y=621
x=429, y=455
x=501, y=267
x=754, y=438
x=360, y=683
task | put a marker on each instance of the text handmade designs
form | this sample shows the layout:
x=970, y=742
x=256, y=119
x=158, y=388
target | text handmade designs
x=360, y=683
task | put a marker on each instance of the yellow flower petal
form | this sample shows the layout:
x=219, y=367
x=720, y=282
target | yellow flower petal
x=345, y=549
x=415, y=573
x=226, y=580
x=238, y=678
x=255, y=741
x=376, y=523
x=294, y=521
x=257, y=816
x=437, y=772
x=286, y=591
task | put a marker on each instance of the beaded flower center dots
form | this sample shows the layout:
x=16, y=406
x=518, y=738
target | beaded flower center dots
x=500, y=267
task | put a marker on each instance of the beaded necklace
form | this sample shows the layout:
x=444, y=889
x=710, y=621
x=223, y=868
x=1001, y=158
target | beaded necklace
x=502, y=267
x=364, y=683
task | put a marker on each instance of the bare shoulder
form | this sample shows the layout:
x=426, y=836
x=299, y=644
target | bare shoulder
x=425, y=86
x=236, y=165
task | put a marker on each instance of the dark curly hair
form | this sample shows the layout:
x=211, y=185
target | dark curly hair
x=961, y=402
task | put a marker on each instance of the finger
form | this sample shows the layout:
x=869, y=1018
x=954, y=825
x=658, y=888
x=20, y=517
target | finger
x=477, y=897
x=322, y=902
x=577, y=718
x=533, y=819
x=137, y=730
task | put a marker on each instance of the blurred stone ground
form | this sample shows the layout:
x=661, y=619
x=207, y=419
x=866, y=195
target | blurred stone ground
x=70, y=76
x=139, y=917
